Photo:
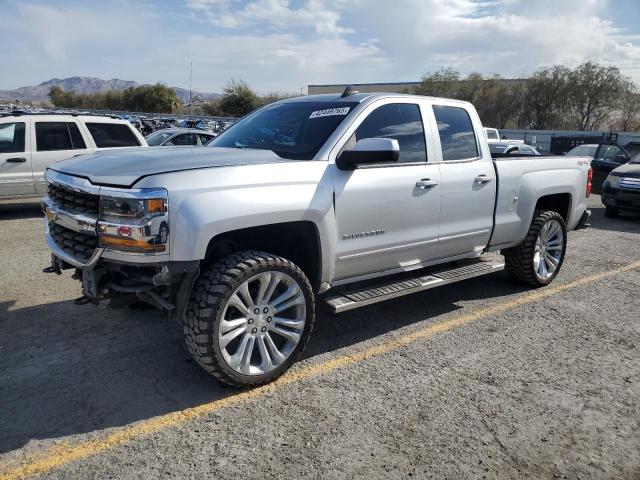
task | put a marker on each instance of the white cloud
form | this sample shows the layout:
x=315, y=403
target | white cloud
x=319, y=15
x=282, y=45
x=512, y=37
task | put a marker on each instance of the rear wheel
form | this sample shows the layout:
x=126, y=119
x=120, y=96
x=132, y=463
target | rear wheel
x=249, y=317
x=537, y=260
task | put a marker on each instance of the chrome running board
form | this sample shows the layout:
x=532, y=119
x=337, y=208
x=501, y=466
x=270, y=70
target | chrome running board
x=355, y=297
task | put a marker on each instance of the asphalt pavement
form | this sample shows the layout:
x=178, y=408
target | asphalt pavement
x=484, y=378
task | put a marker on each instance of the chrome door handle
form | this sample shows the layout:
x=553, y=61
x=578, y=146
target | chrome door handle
x=482, y=179
x=426, y=183
x=16, y=160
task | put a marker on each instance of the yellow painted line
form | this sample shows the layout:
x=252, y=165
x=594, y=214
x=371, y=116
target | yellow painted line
x=65, y=453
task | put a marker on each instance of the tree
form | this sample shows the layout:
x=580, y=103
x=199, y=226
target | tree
x=545, y=98
x=594, y=91
x=272, y=97
x=238, y=99
x=443, y=83
x=156, y=98
x=627, y=117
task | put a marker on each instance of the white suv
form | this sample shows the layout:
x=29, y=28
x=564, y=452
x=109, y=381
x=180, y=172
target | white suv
x=29, y=143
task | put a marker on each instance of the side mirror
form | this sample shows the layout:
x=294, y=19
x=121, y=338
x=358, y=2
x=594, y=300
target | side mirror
x=621, y=158
x=368, y=151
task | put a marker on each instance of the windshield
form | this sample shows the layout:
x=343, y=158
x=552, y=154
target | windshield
x=583, y=151
x=497, y=148
x=157, y=138
x=294, y=130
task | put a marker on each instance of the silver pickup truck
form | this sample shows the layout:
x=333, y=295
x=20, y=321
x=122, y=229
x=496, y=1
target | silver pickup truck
x=351, y=199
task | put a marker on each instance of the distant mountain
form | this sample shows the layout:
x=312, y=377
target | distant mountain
x=40, y=93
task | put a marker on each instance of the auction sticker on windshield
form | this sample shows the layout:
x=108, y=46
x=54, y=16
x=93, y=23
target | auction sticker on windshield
x=329, y=112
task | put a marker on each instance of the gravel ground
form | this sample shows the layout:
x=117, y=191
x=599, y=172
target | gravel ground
x=546, y=389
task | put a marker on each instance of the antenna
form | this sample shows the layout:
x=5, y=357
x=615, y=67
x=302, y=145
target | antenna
x=350, y=90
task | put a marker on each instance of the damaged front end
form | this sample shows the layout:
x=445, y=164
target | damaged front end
x=118, y=243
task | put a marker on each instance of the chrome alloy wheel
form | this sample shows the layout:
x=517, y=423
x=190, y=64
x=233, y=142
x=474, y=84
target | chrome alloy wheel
x=548, y=250
x=262, y=323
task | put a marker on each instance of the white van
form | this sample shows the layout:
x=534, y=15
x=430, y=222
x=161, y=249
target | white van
x=30, y=142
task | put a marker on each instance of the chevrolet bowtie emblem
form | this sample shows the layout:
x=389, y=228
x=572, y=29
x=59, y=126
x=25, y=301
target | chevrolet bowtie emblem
x=51, y=215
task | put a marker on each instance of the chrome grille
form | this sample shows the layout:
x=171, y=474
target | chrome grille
x=73, y=201
x=76, y=244
x=629, y=183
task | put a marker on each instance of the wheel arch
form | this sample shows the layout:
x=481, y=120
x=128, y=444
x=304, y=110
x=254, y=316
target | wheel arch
x=556, y=202
x=297, y=241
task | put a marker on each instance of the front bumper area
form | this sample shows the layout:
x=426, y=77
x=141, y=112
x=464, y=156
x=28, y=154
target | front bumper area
x=164, y=285
x=621, y=199
x=123, y=262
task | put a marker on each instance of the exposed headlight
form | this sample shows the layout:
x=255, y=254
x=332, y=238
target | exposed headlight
x=137, y=222
x=613, y=181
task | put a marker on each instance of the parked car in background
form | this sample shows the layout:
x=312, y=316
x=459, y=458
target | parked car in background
x=513, y=149
x=621, y=189
x=586, y=150
x=185, y=137
x=29, y=143
x=610, y=156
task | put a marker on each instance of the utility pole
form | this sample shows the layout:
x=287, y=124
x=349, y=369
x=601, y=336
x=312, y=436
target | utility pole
x=190, y=81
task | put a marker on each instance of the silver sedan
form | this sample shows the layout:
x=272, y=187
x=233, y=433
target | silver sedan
x=187, y=137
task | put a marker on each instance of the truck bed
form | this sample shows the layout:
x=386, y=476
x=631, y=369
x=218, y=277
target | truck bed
x=521, y=179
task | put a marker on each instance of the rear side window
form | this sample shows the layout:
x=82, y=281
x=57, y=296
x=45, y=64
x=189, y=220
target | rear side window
x=204, y=139
x=52, y=136
x=12, y=137
x=76, y=138
x=183, y=140
x=109, y=135
x=401, y=121
x=457, y=137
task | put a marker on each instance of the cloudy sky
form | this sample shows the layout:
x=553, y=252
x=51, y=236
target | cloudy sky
x=283, y=45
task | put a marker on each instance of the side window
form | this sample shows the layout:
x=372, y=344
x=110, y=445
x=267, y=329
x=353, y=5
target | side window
x=526, y=150
x=457, y=137
x=609, y=152
x=204, y=139
x=183, y=140
x=51, y=136
x=12, y=137
x=401, y=121
x=109, y=135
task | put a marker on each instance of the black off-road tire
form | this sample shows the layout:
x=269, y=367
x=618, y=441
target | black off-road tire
x=611, y=212
x=519, y=260
x=208, y=297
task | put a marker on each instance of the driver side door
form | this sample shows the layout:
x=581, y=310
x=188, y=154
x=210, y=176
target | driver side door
x=387, y=214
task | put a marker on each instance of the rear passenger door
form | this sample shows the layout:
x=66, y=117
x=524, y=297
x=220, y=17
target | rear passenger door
x=54, y=141
x=468, y=183
x=15, y=159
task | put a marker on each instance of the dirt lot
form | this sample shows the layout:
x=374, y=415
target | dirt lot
x=482, y=378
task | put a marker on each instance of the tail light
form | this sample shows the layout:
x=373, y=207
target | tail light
x=589, y=179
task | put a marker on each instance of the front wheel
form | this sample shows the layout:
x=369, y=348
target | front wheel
x=537, y=260
x=249, y=317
